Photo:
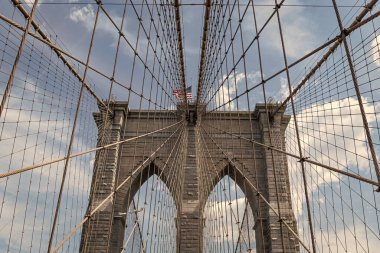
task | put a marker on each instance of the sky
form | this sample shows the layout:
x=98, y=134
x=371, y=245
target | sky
x=329, y=118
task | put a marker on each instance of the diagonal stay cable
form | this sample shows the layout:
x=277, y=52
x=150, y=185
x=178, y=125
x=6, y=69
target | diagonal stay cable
x=58, y=52
x=45, y=40
x=139, y=227
x=241, y=226
x=129, y=237
x=345, y=32
x=62, y=51
x=316, y=50
x=358, y=95
x=73, y=130
x=137, y=55
x=108, y=198
x=168, y=56
x=222, y=39
x=306, y=159
x=228, y=49
x=336, y=39
x=181, y=53
x=203, y=49
x=311, y=229
x=241, y=57
x=234, y=214
x=18, y=171
x=8, y=87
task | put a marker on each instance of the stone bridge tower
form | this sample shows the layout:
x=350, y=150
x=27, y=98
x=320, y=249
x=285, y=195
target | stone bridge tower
x=249, y=165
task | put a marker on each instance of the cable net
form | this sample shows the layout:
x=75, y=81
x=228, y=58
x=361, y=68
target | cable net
x=152, y=126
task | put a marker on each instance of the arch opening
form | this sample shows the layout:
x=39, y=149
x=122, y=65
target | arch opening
x=151, y=217
x=229, y=223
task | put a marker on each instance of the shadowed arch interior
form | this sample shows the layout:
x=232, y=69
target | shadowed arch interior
x=241, y=180
x=127, y=208
x=259, y=224
x=146, y=173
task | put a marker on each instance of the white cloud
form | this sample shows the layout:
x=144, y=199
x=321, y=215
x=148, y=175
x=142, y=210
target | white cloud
x=30, y=3
x=337, y=126
x=376, y=50
x=346, y=240
x=328, y=136
x=233, y=86
x=284, y=89
x=298, y=35
x=45, y=138
x=86, y=16
x=225, y=93
x=232, y=213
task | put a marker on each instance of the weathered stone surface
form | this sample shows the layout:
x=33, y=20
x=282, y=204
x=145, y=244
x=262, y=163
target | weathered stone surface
x=253, y=167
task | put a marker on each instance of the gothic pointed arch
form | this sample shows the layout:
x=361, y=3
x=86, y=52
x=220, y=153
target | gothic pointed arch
x=148, y=199
x=231, y=188
x=235, y=171
x=157, y=168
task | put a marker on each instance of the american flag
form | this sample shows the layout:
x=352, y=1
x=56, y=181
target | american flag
x=178, y=93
